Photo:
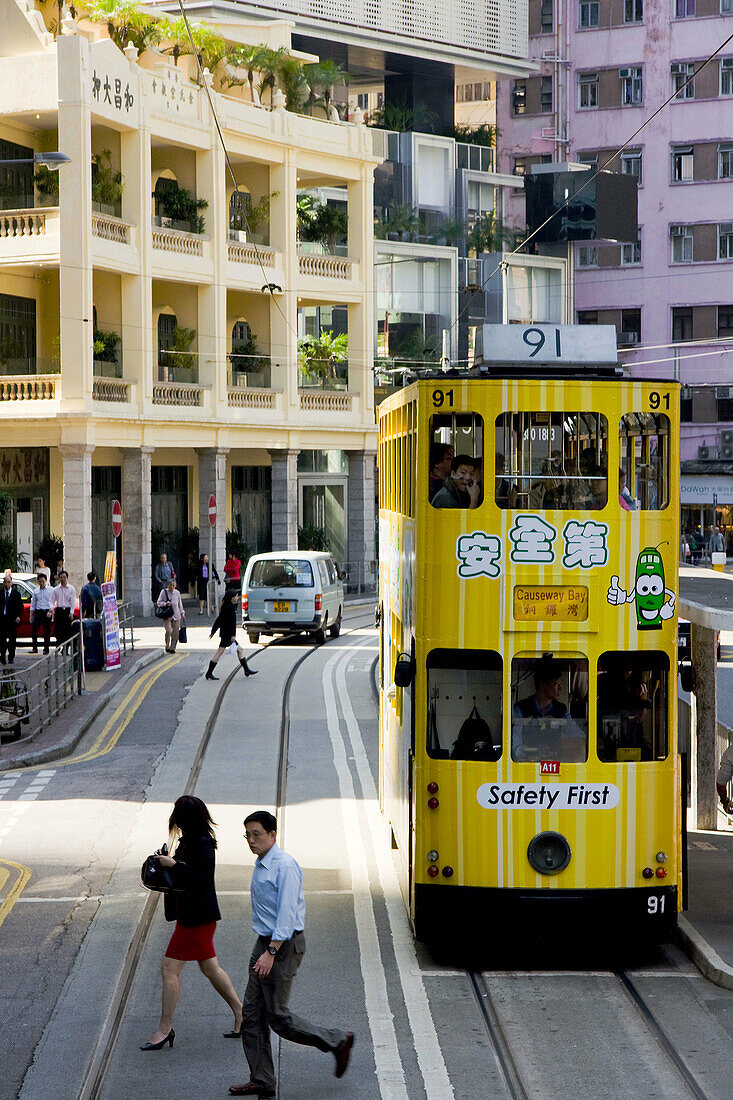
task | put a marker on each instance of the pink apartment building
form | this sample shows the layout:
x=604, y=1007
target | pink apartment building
x=605, y=67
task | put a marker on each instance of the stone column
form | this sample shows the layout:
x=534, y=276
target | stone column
x=284, y=498
x=362, y=566
x=77, y=475
x=284, y=314
x=361, y=323
x=136, y=516
x=705, y=660
x=213, y=479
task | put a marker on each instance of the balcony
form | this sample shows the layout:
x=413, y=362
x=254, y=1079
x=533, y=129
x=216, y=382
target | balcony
x=334, y=379
x=168, y=238
x=108, y=227
x=322, y=400
x=324, y=267
x=29, y=387
x=27, y=235
x=246, y=252
x=179, y=394
x=253, y=372
x=111, y=389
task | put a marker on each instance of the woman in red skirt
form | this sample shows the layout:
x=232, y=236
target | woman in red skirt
x=194, y=908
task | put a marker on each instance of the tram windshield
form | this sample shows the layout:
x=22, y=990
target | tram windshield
x=464, y=704
x=456, y=461
x=644, y=446
x=550, y=709
x=632, y=707
x=551, y=460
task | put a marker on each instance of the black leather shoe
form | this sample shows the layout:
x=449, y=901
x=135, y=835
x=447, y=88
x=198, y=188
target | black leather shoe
x=159, y=1046
x=342, y=1053
x=250, y=1089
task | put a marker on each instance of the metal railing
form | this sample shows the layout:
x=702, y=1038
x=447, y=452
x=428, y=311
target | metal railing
x=361, y=577
x=35, y=695
x=127, y=632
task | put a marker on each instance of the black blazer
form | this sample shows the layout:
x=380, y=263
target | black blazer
x=193, y=876
x=14, y=605
x=226, y=621
x=212, y=573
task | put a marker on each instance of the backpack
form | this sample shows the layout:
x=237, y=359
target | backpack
x=474, y=741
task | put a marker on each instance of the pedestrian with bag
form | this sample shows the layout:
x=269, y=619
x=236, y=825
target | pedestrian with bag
x=11, y=612
x=278, y=919
x=192, y=904
x=226, y=623
x=204, y=573
x=169, y=608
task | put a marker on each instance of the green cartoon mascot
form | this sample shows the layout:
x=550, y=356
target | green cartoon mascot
x=652, y=606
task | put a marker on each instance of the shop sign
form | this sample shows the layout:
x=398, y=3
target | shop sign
x=23, y=466
x=700, y=490
x=113, y=83
x=171, y=93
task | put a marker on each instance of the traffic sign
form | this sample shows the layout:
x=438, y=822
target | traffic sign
x=116, y=519
x=212, y=510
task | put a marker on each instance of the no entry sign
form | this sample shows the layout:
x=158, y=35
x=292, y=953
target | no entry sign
x=212, y=510
x=116, y=519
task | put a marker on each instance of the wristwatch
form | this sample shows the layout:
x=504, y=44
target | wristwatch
x=272, y=950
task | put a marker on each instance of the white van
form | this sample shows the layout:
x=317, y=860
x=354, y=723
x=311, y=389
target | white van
x=292, y=592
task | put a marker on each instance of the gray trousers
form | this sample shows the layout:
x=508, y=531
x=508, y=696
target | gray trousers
x=265, y=1006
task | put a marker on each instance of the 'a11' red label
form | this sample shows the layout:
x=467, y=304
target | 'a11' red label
x=549, y=767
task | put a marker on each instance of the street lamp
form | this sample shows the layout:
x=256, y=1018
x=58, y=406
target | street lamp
x=52, y=161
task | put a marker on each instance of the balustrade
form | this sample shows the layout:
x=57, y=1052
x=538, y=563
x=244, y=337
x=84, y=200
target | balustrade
x=324, y=267
x=325, y=401
x=110, y=228
x=238, y=398
x=110, y=389
x=31, y=387
x=243, y=252
x=23, y=223
x=186, y=394
x=175, y=240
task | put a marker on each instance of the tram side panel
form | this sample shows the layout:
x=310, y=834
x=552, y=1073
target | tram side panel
x=614, y=808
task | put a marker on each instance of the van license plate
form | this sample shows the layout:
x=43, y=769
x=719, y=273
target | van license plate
x=281, y=605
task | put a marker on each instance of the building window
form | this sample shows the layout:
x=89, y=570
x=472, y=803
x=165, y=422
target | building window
x=631, y=253
x=587, y=255
x=725, y=241
x=633, y=11
x=725, y=161
x=546, y=21
x=725, y=322
x=587, y=316
x=726, y=7
x=520, y=166
x=519, y=97
x=682, y=244
x=684, y=8
x=681, y=324
x=545, y=94
x=362, y=101
x=681, y=73
x=587, y=89
x=588, y=14
x=683, y=164
x=686, y=405
x=631, y=164
x=631, y=87
x=630, y=327
x=724, y=411
x=726, y=76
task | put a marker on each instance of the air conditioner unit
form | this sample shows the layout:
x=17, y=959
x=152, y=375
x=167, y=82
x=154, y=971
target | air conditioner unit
x=727, y=453
x=722, y=393
x=726, y=439
x=624, y=74
x=725, y=228
x=727, y=63
x=704, y=453
x=628, y=337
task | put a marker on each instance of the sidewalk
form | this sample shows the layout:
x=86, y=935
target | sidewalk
x=706, y=929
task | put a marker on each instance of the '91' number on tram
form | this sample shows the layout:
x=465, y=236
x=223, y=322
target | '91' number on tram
x=655, y=905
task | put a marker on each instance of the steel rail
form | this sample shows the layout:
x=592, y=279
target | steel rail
x=505, y=1062
x=107, y=1042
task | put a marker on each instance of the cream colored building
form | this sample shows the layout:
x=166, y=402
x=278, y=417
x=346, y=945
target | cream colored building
x=163, y=430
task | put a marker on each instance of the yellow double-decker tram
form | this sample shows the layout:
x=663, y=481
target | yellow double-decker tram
x=528, y=535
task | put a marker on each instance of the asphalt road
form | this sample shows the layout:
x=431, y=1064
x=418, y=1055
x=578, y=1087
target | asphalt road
x=82, y=829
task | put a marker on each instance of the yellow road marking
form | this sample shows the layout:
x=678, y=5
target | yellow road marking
x=24, y=874
x=140, y=688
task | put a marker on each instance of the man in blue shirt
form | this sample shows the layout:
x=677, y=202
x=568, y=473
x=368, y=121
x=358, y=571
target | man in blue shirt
x=278, y=917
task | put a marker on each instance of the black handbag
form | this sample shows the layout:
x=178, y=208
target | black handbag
x=183, y=634
x=156, y=877
x=164, y=610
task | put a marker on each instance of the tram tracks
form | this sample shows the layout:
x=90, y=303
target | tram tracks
x=102, y=1056
x=508, y=1062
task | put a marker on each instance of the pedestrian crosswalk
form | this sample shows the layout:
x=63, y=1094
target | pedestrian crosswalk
x=17, y=790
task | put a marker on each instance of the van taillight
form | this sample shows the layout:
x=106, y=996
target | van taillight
x=245, y=604
x=319, y=601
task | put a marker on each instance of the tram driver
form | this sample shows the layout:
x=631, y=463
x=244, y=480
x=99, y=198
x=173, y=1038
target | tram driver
x=542, y=727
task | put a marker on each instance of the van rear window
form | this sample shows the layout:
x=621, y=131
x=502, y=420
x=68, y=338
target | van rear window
x=281, y=573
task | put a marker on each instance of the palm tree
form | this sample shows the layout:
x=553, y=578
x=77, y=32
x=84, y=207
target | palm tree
x=210, y=47
x=268, y=62
x=325, y=75
x=292, y=81
x=323, y=355
x=488, y=234
x=451, y=230
x=243, y=57
x=402, y=219
x=126, y=22
x=322, y=222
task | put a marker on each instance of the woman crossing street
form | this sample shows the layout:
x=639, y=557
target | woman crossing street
x=226, y=623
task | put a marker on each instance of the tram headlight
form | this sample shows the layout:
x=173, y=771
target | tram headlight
x=549, y=853
x=432, y=870
x=661, y=872
x=661, y=857
x=648, y=872
x=433, y=856
x=433, y=803
x=432, y=788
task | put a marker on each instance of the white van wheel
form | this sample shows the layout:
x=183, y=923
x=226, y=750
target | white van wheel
x=319, y=636
x=335, y=630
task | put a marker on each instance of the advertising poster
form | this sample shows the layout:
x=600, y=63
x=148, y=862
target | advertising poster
x=111, y=625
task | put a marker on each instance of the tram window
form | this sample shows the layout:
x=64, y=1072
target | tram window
x=456, y=461
x=550, y=709
x=549, y=460
x=464, y=704
x=644, y=448
x=632, y=707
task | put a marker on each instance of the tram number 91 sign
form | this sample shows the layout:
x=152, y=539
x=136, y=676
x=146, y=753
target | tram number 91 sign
x=561, y=344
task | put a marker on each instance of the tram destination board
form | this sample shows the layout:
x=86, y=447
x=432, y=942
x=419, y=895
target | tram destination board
x=559, y=345
x=550, y=603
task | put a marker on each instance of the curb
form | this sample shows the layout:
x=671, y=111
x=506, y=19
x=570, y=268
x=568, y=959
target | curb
x=705, y=958
x=69, y=743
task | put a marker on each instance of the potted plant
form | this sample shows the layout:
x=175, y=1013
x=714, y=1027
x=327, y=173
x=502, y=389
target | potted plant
x=323, y=360
x=246, y=362
x=322, y=223
x=176, y=361
x=107, y=185
x=47, y=186
x=106, y=357
x=182, y=209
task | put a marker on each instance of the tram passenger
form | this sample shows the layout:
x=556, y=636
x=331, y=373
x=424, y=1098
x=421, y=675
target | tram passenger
x=441, y=456
x=541, y=723
x=461, y=489
x=598, y=486
x=623, y=701
x=624, y=496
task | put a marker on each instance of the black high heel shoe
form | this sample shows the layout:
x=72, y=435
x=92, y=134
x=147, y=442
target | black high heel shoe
x=159, y=1046
x=247, y=670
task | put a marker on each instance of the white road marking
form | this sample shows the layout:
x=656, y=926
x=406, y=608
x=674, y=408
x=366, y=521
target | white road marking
x=390, y=1073
x=427, y=1047
x=28, y=797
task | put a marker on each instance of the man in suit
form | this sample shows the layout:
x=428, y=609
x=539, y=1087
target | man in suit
x=278, y=917
x=11, y=612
